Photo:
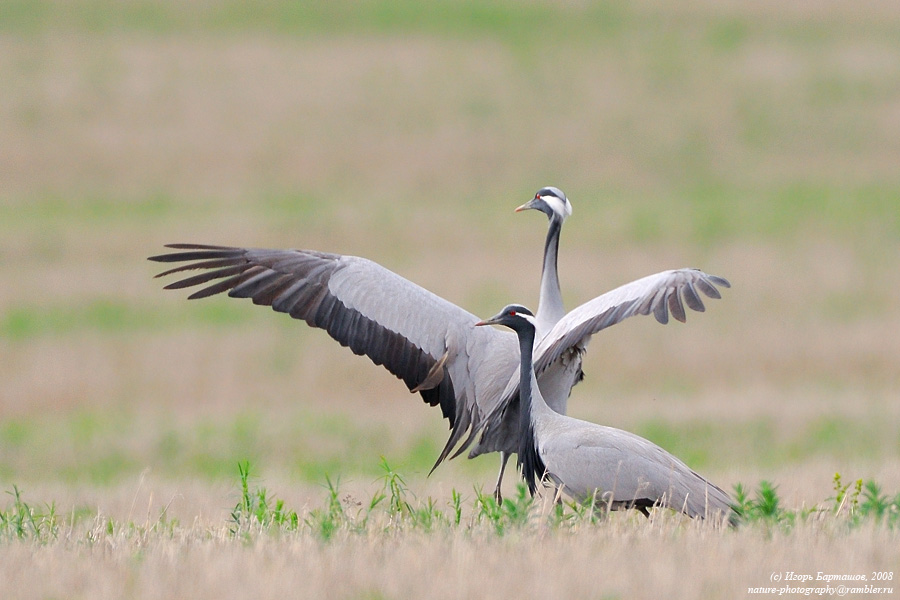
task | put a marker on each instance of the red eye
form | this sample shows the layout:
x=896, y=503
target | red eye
x=512, y=313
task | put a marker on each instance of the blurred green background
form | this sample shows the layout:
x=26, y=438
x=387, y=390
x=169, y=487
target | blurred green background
x=759, y=141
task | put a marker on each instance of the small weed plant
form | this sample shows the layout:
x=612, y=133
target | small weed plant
x=20, y=521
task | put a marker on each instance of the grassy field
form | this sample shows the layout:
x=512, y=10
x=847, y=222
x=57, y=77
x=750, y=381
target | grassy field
x=758, y=141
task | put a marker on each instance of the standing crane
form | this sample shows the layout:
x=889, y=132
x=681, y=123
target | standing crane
x=591, y=462
x=427, y=341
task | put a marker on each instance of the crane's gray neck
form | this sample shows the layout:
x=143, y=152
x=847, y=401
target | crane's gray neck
x=550, y=305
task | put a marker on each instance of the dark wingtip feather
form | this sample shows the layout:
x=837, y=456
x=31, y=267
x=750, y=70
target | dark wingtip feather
x=218, y=287
x=719, y=281
x=661, y=312
x=708, y=288
x=675, y=306
x=692, y=298
x=206, y=276
x=200, y=252
x=208, y=264
x=171, y=257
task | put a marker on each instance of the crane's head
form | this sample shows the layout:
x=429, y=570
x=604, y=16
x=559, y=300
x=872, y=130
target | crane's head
x=551, y=201
x=514, y=316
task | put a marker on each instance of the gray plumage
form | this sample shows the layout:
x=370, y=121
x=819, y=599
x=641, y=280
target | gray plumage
x=560, y=348
x=615, y=468
x=428, y=342
x=424, y=340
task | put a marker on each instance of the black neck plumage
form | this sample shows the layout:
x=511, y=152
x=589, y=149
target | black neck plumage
x=529, y=459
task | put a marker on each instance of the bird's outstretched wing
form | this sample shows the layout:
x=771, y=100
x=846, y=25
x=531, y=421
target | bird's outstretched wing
x=660, y=294
x=428, y=342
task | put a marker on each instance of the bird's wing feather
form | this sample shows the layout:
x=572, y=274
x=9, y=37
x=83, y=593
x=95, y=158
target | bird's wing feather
x=660, y=294
x=428, y=342
x=591, y=458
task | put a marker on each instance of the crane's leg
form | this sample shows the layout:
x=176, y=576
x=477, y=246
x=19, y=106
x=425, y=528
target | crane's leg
x=504, y=456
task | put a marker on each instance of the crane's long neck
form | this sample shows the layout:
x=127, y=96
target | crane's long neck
x=529, y=399
x=550, y=306
x=527, y=384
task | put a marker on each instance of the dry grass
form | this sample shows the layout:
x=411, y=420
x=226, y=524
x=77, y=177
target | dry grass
x=624, y=556
x=618, y=561
x=757, y=141
x=389, y=552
